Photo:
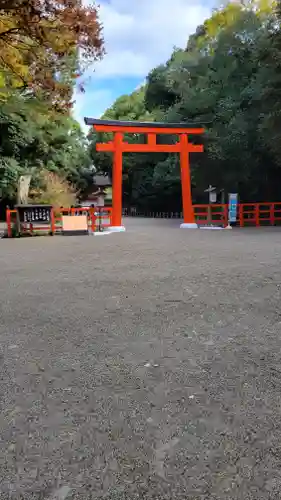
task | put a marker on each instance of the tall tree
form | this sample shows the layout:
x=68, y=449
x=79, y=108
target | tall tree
x=228, y=78
x=32, y=141
x=39, y=43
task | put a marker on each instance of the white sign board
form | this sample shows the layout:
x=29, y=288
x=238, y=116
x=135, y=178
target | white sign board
x=213, y=197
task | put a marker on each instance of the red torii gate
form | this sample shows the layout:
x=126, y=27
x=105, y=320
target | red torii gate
x=118, y=147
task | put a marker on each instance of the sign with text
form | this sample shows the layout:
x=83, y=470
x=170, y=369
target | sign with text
x=34, y=214
x=232, y=207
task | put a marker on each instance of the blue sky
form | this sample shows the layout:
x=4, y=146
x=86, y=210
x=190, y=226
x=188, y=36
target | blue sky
x=139, y=35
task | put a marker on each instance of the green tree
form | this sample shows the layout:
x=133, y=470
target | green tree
x=32, y=140
x=228, y=79
x=39, y=43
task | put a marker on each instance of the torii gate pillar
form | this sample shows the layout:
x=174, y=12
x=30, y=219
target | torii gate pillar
x=118, y=147
x=117, y=184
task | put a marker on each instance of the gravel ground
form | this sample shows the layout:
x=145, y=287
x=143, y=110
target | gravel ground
x=143, y=365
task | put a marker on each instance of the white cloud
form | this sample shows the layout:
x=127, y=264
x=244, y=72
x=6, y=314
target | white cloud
x=92, y=103
x=139, y=34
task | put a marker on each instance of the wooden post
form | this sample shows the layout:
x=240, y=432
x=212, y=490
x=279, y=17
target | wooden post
x=225, y=214
x=188, y=212
x=257, y=214
x=209, y=214
x=8, y=222
x=272, y=214
x=93, y=219
x=53, y=223
x=241, y=215
x=117, y=183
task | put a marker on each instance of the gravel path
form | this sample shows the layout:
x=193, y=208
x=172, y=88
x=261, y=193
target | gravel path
x=143, y=365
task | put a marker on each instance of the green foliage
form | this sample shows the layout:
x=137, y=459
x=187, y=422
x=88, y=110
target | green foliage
x=32, y=139
x=229, y=79
x=45, y=46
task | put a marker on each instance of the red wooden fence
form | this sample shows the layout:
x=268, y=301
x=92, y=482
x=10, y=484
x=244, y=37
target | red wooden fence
x=97, y=218
x=248, y=214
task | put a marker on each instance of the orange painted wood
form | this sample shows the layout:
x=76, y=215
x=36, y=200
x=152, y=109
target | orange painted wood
x=53, y=223
x=141, y=148
x=225, y=214
x=8, y=222
x=108, y=146
x=148, y=148
x=257, y=215
x=148, y=130
x=118, y=147
x=272, y=214
x=117, y=180
x=188, y=212
x=195, y=148
x=218, y=213
x=241, y=218
x=151, y=140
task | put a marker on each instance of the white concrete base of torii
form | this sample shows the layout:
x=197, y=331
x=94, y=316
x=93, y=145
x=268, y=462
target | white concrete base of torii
x=189, y=225
x=116, y=229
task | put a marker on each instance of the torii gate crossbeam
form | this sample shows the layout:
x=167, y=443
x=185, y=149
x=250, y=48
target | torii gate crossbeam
x=118, y=146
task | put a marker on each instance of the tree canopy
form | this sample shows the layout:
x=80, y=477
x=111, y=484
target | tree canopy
x=39, y=43
x=31, y=142
x=44, y=46
x=228, y=78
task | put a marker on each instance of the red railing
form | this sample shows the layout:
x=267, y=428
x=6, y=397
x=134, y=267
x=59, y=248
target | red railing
x=11, y=218
x=248, y=214
x=98, y=218
x=27, y=227
x=259, y=214
x=211, y=214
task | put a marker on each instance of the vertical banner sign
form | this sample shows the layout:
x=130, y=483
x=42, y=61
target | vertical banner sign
x=232, y=207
